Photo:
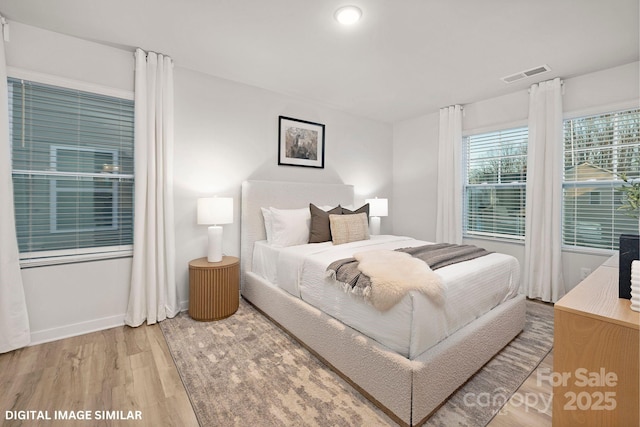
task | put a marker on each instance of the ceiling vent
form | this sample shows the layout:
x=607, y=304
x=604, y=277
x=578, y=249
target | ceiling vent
x=527, y=73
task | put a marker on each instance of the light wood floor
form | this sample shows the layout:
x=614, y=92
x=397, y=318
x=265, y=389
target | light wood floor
x=130, y=369
x=120, y=369
x=531, y=405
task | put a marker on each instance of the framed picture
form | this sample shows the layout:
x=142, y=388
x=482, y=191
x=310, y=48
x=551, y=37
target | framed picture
x=300, y=143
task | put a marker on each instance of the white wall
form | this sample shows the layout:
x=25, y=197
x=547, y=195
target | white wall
x=415, y=152
x=225, y=133
x=415, y=177
x=228, y=132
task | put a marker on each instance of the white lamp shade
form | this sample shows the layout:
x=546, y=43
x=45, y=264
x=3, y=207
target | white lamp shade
x=378, y=207
x=215, y=210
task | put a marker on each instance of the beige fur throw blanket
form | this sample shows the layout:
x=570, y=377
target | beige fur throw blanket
x=383, y=277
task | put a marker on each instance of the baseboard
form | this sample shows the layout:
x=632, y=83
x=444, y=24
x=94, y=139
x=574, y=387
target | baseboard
x=73, y=330
x=68, y=331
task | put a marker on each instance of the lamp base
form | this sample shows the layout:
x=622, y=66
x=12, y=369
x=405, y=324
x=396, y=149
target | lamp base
x=215, y=244
x=374, y=225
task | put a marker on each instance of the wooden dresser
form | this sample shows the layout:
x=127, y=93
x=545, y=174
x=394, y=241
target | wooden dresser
x=596, y=354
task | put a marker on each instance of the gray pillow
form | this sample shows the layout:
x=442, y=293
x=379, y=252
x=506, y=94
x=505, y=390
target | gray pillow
x=362, y=209
x=319, y=228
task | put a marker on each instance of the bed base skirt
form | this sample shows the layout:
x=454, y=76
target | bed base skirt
x=409, y=391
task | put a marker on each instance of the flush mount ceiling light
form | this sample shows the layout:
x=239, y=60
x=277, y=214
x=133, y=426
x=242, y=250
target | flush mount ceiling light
x=348, y=15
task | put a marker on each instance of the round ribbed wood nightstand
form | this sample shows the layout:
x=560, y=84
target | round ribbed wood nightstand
x=214, y=288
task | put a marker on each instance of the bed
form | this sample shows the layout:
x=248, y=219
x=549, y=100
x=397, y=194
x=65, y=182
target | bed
x=405, y=371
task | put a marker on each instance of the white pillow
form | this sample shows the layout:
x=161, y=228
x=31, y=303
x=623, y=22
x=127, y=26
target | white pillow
x=268, y=223
x=290, y=227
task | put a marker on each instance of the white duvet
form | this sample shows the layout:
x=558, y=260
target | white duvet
x=412, y=326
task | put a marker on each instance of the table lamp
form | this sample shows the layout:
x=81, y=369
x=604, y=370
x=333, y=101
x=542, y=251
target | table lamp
x=215, y=211
x=377, y=208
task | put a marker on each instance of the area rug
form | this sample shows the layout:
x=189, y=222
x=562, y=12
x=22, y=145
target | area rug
x=244, y=370
x=480, y=398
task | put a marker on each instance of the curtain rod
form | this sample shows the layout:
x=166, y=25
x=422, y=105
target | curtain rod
x=5, y=28
x=561, y=84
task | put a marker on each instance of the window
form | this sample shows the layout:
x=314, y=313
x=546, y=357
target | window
x=100, y=195
x=495, y=184
x=598, y=151
x=72, y=160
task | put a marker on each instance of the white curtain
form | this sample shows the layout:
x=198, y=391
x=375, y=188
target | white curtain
x=543, y=233
x=153, y=296
x=14, y=321
x=449, y=202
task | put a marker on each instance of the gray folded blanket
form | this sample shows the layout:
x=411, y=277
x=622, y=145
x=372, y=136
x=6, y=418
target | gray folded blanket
x=436, y=256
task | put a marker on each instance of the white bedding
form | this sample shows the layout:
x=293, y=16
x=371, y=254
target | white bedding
x=472, y=288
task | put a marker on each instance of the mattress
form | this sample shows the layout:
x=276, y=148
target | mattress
x=415, y=324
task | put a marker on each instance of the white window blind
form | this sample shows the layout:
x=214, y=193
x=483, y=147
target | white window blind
x=495, y=184
x=72, y=160
x=598, y=151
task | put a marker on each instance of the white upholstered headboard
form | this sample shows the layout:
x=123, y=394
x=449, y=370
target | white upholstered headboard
x=283, y=195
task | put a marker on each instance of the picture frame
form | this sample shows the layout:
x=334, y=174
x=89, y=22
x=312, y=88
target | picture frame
x=300, y=143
